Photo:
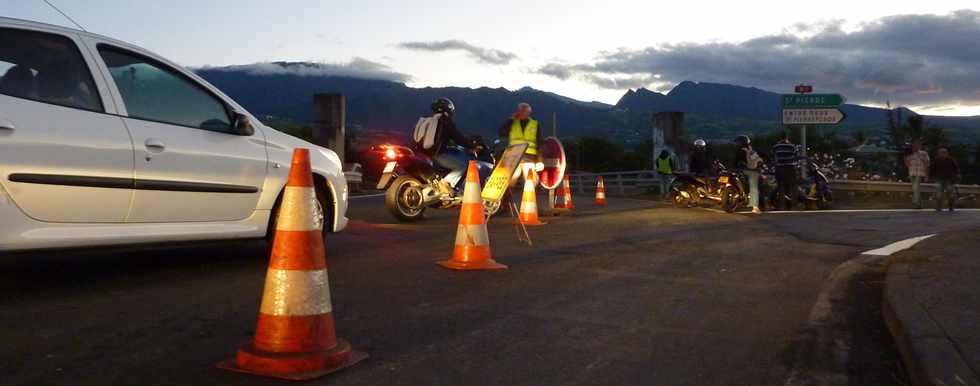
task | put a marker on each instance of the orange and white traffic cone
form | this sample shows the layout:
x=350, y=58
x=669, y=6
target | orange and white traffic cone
x=528, y=214
x=472, y=250
x=295, y=337
x=566, y=193
x=600, y=192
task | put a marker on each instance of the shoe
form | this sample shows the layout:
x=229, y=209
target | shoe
x=756, y=210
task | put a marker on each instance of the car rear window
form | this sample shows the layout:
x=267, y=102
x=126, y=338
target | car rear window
x=45, y=67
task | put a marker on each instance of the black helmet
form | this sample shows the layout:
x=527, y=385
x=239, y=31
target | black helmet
x=743, y=140
x=443, y=105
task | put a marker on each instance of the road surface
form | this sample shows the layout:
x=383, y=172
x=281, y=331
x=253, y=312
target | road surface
x=632, y=293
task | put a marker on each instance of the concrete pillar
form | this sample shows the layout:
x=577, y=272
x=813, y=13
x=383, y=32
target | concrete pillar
x=329, y=117
x=668, y=133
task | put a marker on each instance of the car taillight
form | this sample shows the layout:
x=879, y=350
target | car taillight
x=391, y=153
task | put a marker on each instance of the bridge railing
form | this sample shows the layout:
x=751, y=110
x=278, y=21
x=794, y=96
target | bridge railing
x=628, y=182
x=639, y=181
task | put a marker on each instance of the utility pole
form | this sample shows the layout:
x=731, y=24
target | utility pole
x=554, y=124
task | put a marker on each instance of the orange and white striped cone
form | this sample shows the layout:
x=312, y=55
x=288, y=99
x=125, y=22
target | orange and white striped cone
x=600, y=192
x=472, y=250
x=528, y=214
x=295, y=337
x=566, y=195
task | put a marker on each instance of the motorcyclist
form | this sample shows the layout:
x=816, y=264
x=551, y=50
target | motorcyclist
x=747, y=161
x=699, y=158
x=452, y=157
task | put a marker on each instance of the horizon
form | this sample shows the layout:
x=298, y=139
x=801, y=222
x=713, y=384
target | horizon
x=919, y=56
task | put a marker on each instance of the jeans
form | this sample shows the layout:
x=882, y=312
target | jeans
x=753, y=177
x=664, y=185
x=788, y=183
x=916, y=196
x=458, y=162
x=947, y=191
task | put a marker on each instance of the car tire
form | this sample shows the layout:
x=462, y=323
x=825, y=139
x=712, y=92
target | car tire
x=324, y=199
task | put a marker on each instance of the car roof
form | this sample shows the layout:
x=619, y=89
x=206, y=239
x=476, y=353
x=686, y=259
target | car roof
x=14, y=22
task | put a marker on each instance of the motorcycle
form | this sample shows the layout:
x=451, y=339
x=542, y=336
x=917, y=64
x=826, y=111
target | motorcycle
x=689, y=190
x=815, y=190
x=411, y=183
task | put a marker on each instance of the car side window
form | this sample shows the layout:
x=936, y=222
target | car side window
x=156, y=92
x=47, y=68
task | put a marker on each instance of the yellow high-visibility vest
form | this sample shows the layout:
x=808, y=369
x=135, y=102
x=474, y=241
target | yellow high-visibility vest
x=663, y=166
x=528, y=135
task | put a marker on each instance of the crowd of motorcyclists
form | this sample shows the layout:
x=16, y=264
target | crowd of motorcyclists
x=755, y=181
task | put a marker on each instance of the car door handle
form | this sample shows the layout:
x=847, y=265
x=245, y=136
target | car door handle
x=154, y=145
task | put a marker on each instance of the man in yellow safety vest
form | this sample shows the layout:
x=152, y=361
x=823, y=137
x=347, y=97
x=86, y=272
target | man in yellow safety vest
x=521, y=128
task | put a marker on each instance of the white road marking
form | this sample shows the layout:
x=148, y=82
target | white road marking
x=366, y=196
x=863, y=211
x=899, y=246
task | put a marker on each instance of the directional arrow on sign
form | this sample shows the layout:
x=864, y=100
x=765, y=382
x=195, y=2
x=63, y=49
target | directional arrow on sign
x=812, y=116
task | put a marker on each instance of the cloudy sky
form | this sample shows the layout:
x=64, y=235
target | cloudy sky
x=923, y=54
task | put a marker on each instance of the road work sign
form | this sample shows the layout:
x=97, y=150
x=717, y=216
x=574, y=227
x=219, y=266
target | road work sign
x=812, y=116
x=500, y=178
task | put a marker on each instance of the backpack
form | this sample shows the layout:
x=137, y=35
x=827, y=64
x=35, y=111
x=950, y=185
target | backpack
x=426, y=132
x=753, y=160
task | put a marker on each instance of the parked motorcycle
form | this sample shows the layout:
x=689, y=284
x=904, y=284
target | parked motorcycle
x=411, y=183
x=689, y=190
x=812, y=193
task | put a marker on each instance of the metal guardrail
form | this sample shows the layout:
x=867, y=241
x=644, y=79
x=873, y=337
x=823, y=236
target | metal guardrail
x=354, y=176
x=635, y=180
x=899, y=187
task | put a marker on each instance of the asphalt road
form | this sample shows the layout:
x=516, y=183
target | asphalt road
x=631, y=293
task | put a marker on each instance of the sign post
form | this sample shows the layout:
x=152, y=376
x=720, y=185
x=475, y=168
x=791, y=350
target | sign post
x=805, y=108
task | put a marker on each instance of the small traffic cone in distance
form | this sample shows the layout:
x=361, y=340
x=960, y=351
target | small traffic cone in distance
x=566, y=195
x=600, y=192
x=295, y=337
x=528, y=214
x=472, y=251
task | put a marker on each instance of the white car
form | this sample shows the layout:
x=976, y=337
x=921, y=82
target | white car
x=104, y=143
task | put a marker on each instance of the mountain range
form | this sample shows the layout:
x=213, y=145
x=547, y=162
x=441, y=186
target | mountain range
x=713, y=110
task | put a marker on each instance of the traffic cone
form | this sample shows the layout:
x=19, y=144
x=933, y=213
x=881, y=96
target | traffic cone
x=295, y=337
x=565, y=191
x=529, y=204
x=600, y=192
x=472, y=250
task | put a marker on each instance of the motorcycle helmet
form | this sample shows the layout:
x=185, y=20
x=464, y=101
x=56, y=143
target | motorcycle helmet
x=743, y=140
x=444, y=105
x=700, y=144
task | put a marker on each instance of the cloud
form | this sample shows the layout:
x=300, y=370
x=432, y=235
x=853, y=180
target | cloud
x=480, y=54
x=355, y=68
x=909, y=59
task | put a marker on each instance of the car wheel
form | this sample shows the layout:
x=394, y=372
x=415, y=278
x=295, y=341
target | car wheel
x=323, y=211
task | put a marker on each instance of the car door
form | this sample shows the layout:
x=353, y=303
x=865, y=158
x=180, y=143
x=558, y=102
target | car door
x=189, y=163
x=63, y=156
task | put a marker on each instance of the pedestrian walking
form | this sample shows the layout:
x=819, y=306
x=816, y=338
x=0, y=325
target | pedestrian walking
x=946, y=172
x=917, y=161
x=748, y=162
x=786, y=160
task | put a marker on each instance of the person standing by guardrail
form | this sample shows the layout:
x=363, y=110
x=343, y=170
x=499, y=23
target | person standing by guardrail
x=946, y=172
x=786, y=160
x=917, y=161
x=665, y=169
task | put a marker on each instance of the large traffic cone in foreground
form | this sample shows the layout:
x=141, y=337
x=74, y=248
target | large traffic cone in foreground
x=295, y=336
x=528, y=214
x=472, y=241
x=565, y=191
x=600, y=192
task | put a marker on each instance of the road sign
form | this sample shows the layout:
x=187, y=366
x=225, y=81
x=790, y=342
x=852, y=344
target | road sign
x=499, y=180
x=812, y=100
x=803, y=89
x=812, y=116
